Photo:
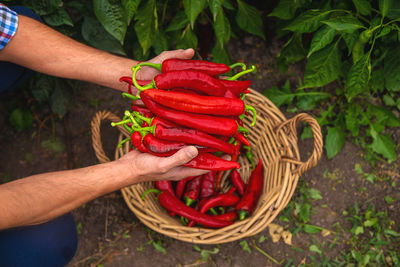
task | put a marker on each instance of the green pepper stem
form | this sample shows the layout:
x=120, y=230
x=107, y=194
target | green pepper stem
x=244, y=67
x=130, y=96
x=189, y=201
x=143, y=118
x=123, y=142
x=143, y=130
x=212, y=210
x=235, y=77
x=153, y=65
x=134, y=122
x=242, y=129
x=253, y=111
x=140, y=88
x=151, y=190
x=242, y=214
x=120, y=122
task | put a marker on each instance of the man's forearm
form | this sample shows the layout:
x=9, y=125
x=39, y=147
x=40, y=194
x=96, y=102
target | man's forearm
x=39, y=198
x=43, y=49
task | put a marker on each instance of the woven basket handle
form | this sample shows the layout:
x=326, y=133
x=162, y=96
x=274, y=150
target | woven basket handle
x=96, y=135
x=317, y=135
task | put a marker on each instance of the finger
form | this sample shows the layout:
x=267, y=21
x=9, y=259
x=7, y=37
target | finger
x=182, y=172
x=180, y=54
x=181, y=157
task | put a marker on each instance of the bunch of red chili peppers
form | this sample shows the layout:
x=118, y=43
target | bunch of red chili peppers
x=188, y=104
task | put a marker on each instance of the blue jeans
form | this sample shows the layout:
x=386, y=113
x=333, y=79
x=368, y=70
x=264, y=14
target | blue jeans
x=53, y=243
x=50, y=244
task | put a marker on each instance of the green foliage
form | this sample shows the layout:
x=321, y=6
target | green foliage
x=352, y=52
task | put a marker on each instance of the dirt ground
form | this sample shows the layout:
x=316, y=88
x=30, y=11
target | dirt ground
x=111, y=235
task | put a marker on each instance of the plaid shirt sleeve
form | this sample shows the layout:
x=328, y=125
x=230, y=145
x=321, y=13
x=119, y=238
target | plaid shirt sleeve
x=8, y=25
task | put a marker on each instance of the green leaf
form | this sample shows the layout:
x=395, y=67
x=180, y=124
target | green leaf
x=370, y=222
x=384, y=116
x=215, y=6
x=384, y=6
x=388, y=100
x=347, y=23
x=193, y=9
x=248, y=18
x=370, y=177
x=314, y=193
x=112, y=16
x=158, y=246
x=385, y=30
x=392, y=70
x=146, y=25
x=394, y=11
x=245, y=246
x=262, y=239
x=303, y=211
x=358, y=169
x=221, y=55
x=280, y=97
x=350, y=39
x=334, y=141
x=188, y=39
x=58, y=18
x=292, y=50
x=21, y=119
x=383, y=144
x=353, y=116
x=309, y=100
x=59, y=101
x=389, y=200
x=54, y=145
x=286, y=9
x=160, y=42
x=311, y=229
x=322, y=67
x=392, y=233
x=309, y=21
x=178, y=22
x=45, y=7
x=222, y=28
x=363, y=7
x=130, y=7
x=359, y=230
x=358, y=77
x=321, y=38
x=314, y=248
x=42, y=87
x=378, y=80
x=97, y=36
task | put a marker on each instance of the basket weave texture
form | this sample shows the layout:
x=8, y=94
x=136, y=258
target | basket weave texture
x=273, y=139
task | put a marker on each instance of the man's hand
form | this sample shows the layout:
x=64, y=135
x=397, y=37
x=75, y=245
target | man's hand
x=146, y=167
x=148, y=73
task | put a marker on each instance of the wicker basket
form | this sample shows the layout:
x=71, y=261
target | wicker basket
x=273, y=139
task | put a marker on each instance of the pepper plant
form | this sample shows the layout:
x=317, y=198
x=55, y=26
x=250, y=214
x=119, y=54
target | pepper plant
x=352, y=69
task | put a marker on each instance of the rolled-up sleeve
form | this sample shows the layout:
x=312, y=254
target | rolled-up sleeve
x=8, y=25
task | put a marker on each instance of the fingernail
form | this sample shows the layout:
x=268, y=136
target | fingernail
x=191, y=151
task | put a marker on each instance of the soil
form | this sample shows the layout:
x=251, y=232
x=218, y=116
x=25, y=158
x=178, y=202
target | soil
x=111, y=235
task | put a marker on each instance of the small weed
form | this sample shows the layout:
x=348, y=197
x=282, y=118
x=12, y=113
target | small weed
x=205, y=254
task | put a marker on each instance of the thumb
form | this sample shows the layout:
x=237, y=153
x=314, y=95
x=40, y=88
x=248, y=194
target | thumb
x=179, y=54
x=181, y=157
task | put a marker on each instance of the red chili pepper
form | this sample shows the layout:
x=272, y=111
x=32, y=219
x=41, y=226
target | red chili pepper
x=240, y=137
x=229, y=216
x=189, y=79
x=172, y=203
x=128, y=80
x=207, y=161
x=251, y=195
x=237, y=181
x=231, y=190
x=206, y=123
x=161, y=147
x=193, y=190
x=219, y=200
x=235, y=87
x=212, y=105
x=191, y=136
x=142, y=110
x=208, y=185
x=180, y=185
x=164, y=185
x=136, y=139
